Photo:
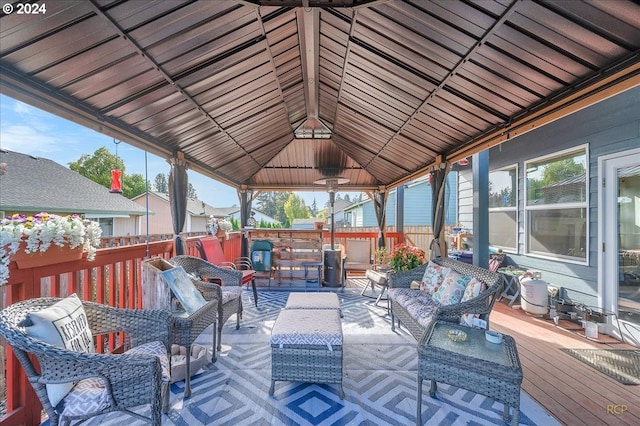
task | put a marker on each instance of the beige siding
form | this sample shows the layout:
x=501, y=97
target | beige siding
x=198, y=224
x=127, y=226
x=160, y=222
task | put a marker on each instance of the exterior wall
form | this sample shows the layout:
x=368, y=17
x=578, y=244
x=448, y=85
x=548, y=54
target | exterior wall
x=160, y=221
x=465, y=198
x=610, y=126
x=197, y=224
x=126, y=226
x=357, y=218
x=417, y=205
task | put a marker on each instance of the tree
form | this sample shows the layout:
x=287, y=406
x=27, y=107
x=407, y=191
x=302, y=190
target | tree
x=561, y=170
x=272, y=204
x=98, y=166
x=191, y=191
x=313, y=210
x=136, y=184
x=295, y=208
x=161, y=184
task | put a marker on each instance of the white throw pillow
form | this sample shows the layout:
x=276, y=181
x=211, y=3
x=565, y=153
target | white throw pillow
x=63, y=324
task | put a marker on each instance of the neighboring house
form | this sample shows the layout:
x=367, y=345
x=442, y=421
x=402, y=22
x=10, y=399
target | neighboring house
x=32, y=185
x=339, y=216
x=579, y=227
x=198, y=214
x=417, y=206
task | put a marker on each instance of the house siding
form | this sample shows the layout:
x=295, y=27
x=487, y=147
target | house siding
x=126, y=226
x=160, y=222
x=417, y=205
x=611, y=126
x=465, y=198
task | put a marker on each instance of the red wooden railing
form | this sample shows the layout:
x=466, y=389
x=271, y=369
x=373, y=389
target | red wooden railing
x=113, y=278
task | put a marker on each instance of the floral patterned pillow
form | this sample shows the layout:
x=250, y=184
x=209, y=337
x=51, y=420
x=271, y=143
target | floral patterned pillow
x=452, y=288
x=433, y=277
x=473, y=290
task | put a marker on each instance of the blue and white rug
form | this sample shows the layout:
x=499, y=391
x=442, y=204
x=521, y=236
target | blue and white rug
x=379, y=380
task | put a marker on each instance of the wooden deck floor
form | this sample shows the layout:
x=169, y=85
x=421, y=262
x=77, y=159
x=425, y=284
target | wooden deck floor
x=571, y=391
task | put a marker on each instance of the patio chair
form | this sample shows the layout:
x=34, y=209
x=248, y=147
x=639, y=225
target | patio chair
x=358, y=256
x=214, y=282
x=74, y=385
x=211, y=250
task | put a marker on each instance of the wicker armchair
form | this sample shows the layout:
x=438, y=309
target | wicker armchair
x=481, y=305
x=229, y=293
x=130, y=379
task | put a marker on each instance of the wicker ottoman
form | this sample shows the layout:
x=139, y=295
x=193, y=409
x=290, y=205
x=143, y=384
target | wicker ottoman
x=313, y=301
x=306, y=346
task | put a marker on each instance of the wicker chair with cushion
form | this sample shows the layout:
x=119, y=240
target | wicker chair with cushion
x=205, y=277
x=77, y=383
x=211, y=250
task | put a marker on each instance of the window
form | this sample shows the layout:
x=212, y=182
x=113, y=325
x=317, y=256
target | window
x=107, y=226
x=556, y=205
x=503, y=210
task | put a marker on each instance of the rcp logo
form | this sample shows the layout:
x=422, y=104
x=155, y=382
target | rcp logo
x=616, y=409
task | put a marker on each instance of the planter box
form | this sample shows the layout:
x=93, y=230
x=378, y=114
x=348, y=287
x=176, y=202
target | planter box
x=52, y=256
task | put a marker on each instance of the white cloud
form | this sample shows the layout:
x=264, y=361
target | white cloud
x=24, y=109
x=22, y=138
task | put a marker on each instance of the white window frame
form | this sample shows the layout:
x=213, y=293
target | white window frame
x=509, y=209
x=558, y=206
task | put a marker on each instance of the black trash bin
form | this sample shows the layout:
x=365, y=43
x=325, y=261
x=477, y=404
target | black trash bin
x=261, y=255
x=333, y=268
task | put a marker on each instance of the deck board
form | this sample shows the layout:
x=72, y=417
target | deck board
x=570, y=390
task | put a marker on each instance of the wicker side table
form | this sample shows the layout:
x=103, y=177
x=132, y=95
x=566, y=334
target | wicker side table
x=474, y=364
x=187, y=328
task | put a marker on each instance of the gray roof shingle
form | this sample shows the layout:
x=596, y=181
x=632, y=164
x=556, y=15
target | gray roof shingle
x=38, y=184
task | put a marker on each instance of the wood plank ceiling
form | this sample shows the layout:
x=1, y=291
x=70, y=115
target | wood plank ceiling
x=384, y=88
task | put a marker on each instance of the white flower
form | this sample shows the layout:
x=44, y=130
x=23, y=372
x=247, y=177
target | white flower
x=42, y=230
x=225, y=225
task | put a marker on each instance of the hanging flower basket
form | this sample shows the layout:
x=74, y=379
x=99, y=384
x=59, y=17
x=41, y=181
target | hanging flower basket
x=52, y=256
x=45, y=239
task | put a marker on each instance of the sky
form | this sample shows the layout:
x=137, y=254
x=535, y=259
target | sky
x=32, y=131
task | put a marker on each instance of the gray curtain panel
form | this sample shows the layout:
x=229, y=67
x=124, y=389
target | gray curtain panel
x=380, y=206
x=245, y=212
x=178, y=190
x=438, y=178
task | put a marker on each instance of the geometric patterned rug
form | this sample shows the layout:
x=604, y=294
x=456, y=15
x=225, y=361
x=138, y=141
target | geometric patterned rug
x=379, y=380
x=622, y=365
